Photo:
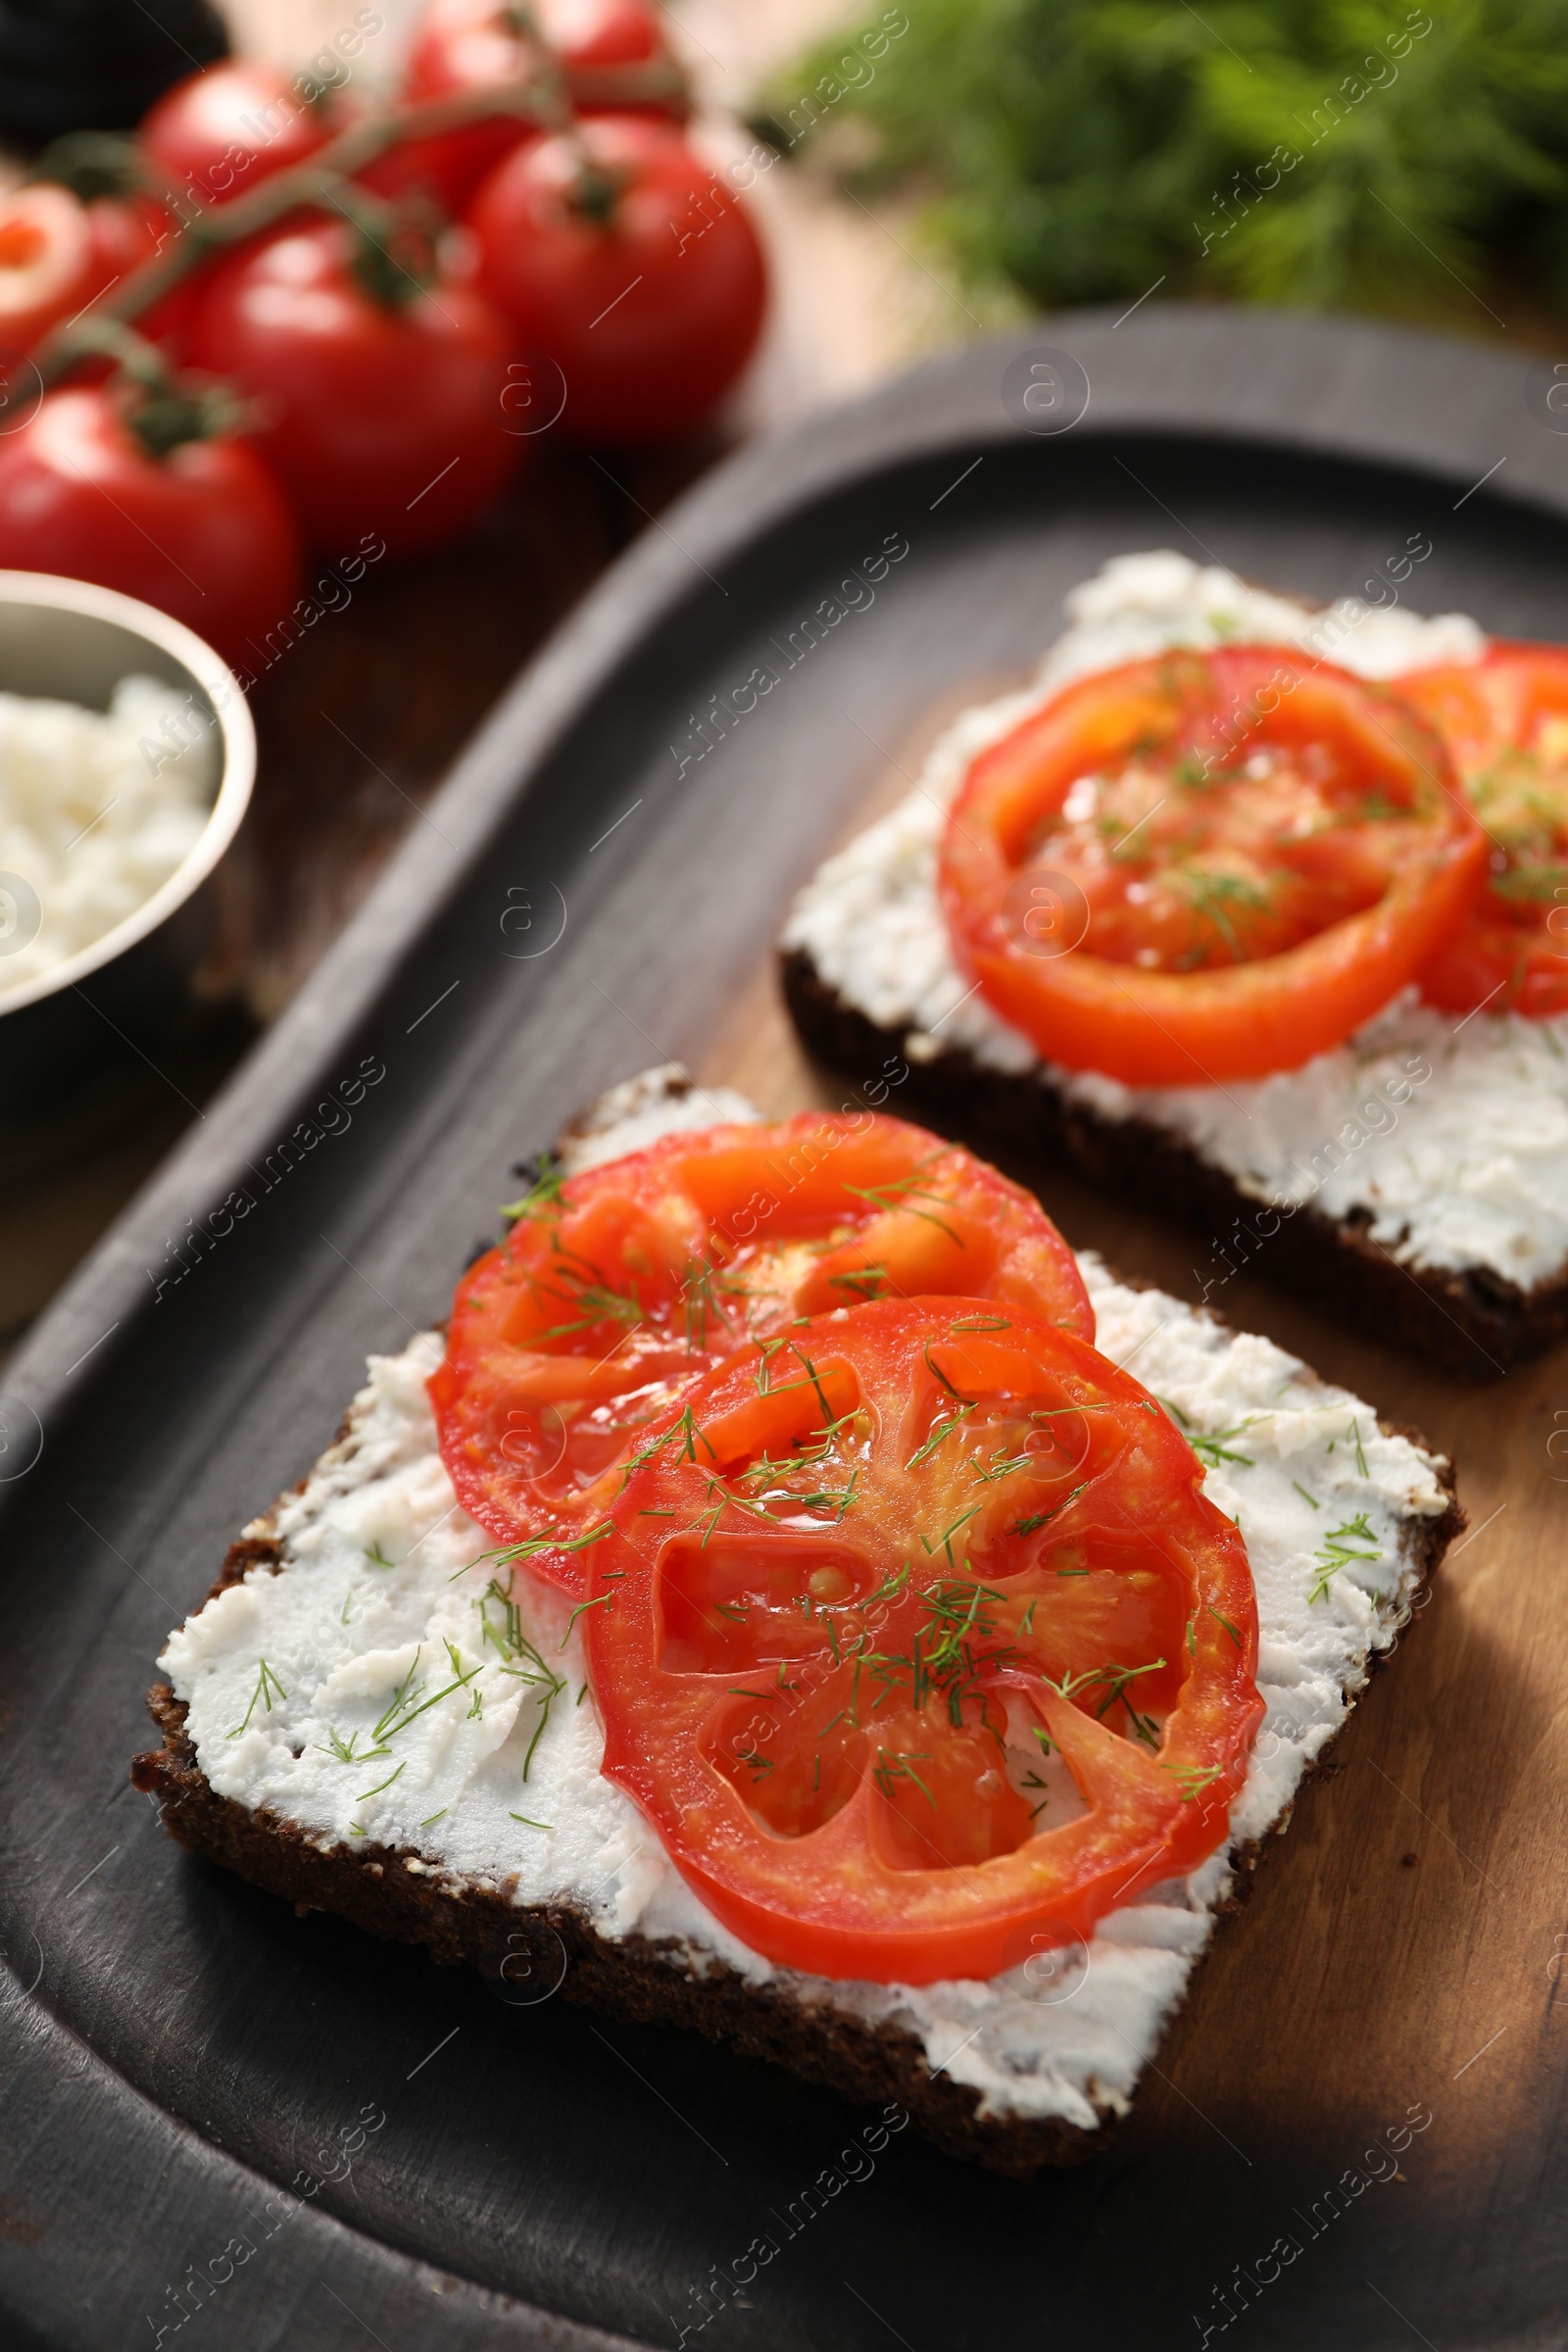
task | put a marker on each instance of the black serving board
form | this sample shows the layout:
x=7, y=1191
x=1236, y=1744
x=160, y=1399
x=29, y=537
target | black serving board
x=585, y=899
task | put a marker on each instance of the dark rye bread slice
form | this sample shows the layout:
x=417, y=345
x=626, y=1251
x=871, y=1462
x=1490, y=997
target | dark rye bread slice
x=391, y=1893
x=1473, y=1321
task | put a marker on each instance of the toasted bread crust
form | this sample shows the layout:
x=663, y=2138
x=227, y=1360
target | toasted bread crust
x=1472, y=1321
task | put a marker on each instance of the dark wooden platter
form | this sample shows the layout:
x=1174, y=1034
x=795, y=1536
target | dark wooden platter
x=177, y=2048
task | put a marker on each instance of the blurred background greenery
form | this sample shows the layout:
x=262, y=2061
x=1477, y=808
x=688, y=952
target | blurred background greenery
x=1323, y=154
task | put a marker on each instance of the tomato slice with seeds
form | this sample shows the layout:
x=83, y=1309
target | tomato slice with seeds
x=1504, y=720
x=1206, y=866
x=920, y=1643
x=617, y=1287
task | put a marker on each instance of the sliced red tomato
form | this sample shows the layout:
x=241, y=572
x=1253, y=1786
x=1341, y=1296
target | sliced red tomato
x=615, y=1289
x=1505, y=722
x=1206, y=865
x=918, y=1643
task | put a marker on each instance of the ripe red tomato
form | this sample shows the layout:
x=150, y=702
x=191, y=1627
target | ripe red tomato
x=203, y=531
x=220, y=132
x=614, y=1290
x=379, y=414
x=1505, y=722
x=466, y=45
x=57, y=253
x=640, y=278
x=1206, y=866
x=860, y=1587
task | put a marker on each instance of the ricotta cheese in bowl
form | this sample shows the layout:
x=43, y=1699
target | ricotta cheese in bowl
x=126, y=761
x=97, y=810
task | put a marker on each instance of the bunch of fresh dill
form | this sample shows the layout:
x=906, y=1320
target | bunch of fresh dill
x=1319, y=153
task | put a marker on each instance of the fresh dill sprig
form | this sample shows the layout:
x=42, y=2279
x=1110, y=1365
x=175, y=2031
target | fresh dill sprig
x=267, y=1683
x=941, y=1431
x=897, y=1764
x=901, y=1191
x=547, y=1194
x=1341, y=1547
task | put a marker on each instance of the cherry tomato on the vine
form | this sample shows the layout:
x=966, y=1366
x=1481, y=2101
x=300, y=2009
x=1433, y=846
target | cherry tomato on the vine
x=618, y=256
x=380, y=377
x=463, y=45
x=220, y=132
x=57, y=253
x=197, y=527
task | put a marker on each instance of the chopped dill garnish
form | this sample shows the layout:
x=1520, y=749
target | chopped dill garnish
x=380, y=1784
x=897, y=1764
x=1361, y=1456
x=532, y=1825
x=346, y=1752
x=1193, y=1779
x=1027, y=1527
x=904, y=1189
x=520, y=1657
x=1306, y=1497
x=1116, y=1679
x=546, y=1194
x=407, y=1703
x=686, y=1430
x=979, y=1323
x=1217, y=899
x=377, y=1556
x=1211, y=1449
x=1226, y=1622
x=267, y=1683
x=938, y=1374
x=551, y=1539
x=597, y=1602
x=941, y=1430
x=430, y=1817
x=1340, y=1547
x=861, y=1282
x=944, y=1542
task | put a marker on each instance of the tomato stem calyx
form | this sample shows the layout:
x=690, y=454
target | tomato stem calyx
x=163, y=409
x=93, y=164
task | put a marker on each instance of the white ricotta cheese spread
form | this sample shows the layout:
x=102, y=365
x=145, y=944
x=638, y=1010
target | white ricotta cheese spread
x=487, y=1769
x=1467, y=1167
x=97, y=810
